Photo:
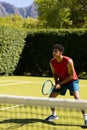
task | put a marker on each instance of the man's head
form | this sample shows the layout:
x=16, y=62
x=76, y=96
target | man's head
x=58, y=50
x=59, y=47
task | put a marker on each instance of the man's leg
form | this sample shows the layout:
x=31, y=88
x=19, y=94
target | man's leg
x=53, y=95
x=77, y=96
x=53, y=115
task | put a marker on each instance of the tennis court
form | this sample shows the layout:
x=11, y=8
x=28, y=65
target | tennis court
x=23, y=117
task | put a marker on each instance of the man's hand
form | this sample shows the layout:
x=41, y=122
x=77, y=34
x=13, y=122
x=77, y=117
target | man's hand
x=58, y=86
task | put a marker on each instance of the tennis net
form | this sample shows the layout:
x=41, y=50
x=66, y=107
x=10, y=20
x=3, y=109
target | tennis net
x=29, y=113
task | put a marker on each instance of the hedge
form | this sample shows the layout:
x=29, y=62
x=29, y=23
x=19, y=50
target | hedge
x=11, y=46
x=37, y=51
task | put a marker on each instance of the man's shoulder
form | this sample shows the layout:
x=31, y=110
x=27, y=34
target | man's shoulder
x=67, y=58
x=53, y=59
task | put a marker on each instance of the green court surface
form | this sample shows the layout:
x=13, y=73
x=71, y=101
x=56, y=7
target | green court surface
x=31, y=86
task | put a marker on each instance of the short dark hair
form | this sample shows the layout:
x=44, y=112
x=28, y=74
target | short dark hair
x=59, y=47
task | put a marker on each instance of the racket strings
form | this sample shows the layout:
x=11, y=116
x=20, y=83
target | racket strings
x=48, y=87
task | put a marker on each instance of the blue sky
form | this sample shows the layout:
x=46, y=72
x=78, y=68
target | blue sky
x=19, y=3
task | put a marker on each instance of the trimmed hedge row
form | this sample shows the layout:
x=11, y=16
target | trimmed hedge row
x=38, y=50
x=31, y=55
x=11, y=46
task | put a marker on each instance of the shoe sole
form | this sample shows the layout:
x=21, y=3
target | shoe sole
x=52, y=119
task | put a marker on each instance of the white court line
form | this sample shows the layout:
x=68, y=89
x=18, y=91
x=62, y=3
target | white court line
x=9, y=81
x=17, y=81
x=20, y=83
x=6, y=108
x=28, y=82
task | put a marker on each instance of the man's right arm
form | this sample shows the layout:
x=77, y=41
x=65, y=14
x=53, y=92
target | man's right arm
x=57, y=85
x=54, y=74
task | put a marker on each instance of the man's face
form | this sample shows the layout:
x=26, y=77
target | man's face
x=56, y=53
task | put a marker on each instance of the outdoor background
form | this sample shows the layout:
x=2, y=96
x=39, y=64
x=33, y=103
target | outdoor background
x=28, y=30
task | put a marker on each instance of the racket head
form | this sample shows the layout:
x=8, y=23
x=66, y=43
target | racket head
x=47, y=87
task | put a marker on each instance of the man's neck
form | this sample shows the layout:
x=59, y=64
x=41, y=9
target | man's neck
x=59, y=59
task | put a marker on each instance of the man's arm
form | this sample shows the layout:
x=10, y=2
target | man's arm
x=54, y=74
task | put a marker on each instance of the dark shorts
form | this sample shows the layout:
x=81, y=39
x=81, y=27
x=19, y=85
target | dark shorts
x=71, y=86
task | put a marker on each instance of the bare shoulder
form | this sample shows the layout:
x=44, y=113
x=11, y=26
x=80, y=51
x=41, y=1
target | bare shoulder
x=70, y=63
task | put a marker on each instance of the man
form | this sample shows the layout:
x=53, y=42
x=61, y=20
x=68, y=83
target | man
x=65, y=78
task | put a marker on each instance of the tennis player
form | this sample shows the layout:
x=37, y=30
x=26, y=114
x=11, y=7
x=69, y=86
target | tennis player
x=65, y=78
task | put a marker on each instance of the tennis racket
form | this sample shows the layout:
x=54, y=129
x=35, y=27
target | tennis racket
x=47, y=87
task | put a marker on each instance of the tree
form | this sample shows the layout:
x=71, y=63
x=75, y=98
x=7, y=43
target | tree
x=12, y=20
x=20, y=22
x=78, y=12
x=32, y=23
x=62, y=13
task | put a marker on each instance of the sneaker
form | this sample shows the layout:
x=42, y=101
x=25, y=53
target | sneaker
x=85, y=119
x=52, y=117
x=85, y=122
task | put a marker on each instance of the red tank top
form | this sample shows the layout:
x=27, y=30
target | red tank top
x=61, y=68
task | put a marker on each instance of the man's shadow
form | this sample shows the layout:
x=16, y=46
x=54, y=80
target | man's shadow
x=22, y=122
